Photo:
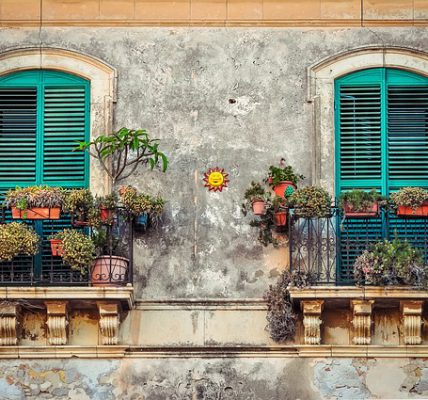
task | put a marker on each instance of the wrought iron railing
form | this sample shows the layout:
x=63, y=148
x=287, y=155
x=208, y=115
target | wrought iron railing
x=44, y=269
x=327, y=247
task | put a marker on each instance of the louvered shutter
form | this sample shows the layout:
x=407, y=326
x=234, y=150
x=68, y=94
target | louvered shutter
x=381, y=143
x=42, y=116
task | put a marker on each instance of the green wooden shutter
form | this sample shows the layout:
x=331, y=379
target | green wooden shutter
x=381, y=143
x=42, y=115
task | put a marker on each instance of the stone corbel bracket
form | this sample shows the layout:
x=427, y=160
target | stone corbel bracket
x=109, y=322
x=412, y=321
x=9, y=324
x=312, y=310
x=57, y=322
x=362, y=321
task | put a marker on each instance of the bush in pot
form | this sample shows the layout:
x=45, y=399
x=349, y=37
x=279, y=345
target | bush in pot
x=282, y=178
x=311, y=202
x=17, y=239
x=256, y=196
x=360, y=203
x=391, y=263
x=411, y=201
x=107, y=206
x=79, y=203
x=35, y=202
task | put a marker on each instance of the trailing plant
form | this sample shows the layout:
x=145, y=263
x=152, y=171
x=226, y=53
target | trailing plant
x=78, y=249
x=359, y=200
x=35, y=196
x=412, y=197
x=123, y=151
x=311, y=202
x=266, y=225
x=391, y=263
x=282, y=173
x=17, y=238
x=281, y=316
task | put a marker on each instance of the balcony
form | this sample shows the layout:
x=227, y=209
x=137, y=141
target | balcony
x=327, y=247
x=45, y=269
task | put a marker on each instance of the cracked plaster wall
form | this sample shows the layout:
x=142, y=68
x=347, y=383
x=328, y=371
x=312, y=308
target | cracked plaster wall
x=200, y=379
x=177, y=83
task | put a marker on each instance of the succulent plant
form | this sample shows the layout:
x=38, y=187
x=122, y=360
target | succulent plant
x=78, y=201
x=311, y=202
x=35, y=196
x=412, y=197
x=78, y=249
x=109, y=201
x=140, y=203
x=17, y=238
x=359, y=200
x=391, y=263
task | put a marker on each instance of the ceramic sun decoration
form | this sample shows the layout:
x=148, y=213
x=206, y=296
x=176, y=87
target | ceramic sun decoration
x=216, y=179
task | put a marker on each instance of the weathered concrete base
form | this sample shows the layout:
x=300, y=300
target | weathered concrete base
x=257, y=378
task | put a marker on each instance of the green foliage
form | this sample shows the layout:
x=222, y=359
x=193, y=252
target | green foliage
x=110, y=201
x=78, y=249
x=140, y=203
x=391, y=263
x=123, y=151
x=311, y=202
x=17, y=238
x=359, y=200
x=412, y=197
x=281, y=316
x=255, y=192
x=279, y=174
x=35, y=196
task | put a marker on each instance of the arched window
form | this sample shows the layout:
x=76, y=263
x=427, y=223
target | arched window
x=381, y=119
x=43, y=114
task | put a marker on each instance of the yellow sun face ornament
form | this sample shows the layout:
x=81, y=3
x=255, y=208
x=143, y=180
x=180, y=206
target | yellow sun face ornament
x=216, y=179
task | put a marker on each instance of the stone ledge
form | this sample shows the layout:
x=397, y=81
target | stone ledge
x=354, y=292
x=286, y=351
x=123, y=294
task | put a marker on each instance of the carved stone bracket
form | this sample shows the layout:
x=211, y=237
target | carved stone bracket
x=109, y=322
x=9, y=324
x=57, y=321
x=362, y=321
x=412, y=321
x=312, y=310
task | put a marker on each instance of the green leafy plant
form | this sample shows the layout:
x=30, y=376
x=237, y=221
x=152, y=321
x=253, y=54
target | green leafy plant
x=78, y=249
x=16, y=239
x=123, y=151
x=109, y=202
x=35, y=196
x=311, y=202
x=255, y=192
x=391, y=263
x=279, y=174
x=412, y=197
x=281, y=317
x=359, y=200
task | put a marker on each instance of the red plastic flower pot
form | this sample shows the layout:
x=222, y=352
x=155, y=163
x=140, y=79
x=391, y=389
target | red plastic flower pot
x=105, y=214
x=280, y=218
x=368, y=213
x=282, y=187
x=36, y=213
x=422, y=211
x=259, y=207
x=56, y=247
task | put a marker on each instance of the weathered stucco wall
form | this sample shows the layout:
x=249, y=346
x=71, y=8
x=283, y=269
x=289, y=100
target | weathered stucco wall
x=178, y=84
x=203, y=379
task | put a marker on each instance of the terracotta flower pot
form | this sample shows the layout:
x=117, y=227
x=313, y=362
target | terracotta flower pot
x=280, y=218
x=259, y=207
x=109, y=271
x=421, y=211
x=56, y=247
x=282, y=187
x=36, y=213
x=369, y=213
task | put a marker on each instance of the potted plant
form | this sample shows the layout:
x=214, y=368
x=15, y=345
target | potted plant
x=76, y=249
x=359, y=203
x=109, y=268
x=17, y=239
x=256, y=196
x=79, y=203
x=411, y=201
x=107, y=205
x=35, y=202
x=391, y=263
x=311, y=202
x=282, y=179
x=121, y=152
x=280, y=213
